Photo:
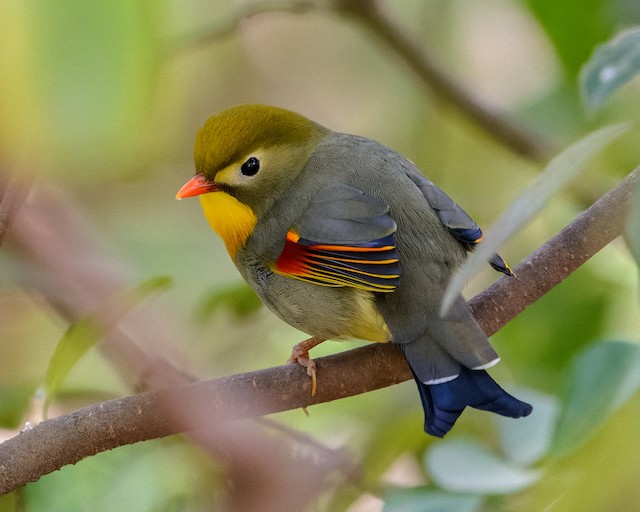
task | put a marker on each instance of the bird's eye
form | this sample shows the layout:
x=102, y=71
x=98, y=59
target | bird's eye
x=250, y=167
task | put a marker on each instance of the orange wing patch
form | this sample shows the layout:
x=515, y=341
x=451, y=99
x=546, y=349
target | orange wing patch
x=372, y=266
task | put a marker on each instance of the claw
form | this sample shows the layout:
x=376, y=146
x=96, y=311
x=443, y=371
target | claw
x=300, y=355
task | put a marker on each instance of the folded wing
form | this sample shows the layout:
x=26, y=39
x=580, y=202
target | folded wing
x=344, y=238
x=456, y=220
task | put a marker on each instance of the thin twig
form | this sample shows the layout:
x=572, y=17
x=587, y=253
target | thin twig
x=14, y=195
x=99, y=427
x=227, y=27
x=513, y=136
x=510, y=134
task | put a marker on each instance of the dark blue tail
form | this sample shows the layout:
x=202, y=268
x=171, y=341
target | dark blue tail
x=444, y=403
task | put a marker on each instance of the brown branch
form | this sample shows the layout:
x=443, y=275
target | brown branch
x=69, y=438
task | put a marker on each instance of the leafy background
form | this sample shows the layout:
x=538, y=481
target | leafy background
x=102, y=100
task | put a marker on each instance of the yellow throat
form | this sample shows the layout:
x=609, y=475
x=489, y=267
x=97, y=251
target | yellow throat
x=231, y=219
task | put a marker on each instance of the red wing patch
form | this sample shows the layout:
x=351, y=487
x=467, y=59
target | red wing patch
x=371, y=266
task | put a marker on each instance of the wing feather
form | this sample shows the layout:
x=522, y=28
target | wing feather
x=372, y=266
x=344, y=238
x=457, y=221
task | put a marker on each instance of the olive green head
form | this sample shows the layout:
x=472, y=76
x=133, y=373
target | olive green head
x=233, y=133
x=253, y=152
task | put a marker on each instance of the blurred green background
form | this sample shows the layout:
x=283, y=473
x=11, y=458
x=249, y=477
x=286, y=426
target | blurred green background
x=101, y=101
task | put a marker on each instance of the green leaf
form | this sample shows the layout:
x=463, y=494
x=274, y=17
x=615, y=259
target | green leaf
x=77, y=339
x=240, y=300
x=14, y=403
x=151, y=286
x=465, y=466
x=427, y=499
x=527, y=440
x=128, y=299
x=558, y=173
x=574, y=27
x=88, y=331
x=611, y=66
x=600, y=380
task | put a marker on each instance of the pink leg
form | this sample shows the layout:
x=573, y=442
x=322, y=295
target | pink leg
x=300, y=355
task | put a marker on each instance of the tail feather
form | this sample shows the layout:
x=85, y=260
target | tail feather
x=443, y=403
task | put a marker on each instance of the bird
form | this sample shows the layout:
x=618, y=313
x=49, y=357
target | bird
x=344, y=238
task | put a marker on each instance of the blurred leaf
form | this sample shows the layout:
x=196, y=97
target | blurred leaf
x=94, y=66
x=14, y=401
x=574, y=314
x=9, y=502
x=426, y=499
x=88, y=331
x=143, y=478
x=574, y=27
x=601, y=378
x=386, y=436
x=611, y=66
x=562, y=169
x=559, y=113
x=78, y=338
x=465, y=466
x=150, y=286
x=240, y=300
x=391, y=440
x=527, y=440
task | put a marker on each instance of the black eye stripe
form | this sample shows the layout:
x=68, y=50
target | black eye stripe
x=250, y=167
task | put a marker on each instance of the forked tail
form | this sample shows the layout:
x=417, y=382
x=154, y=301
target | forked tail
x=443, y=403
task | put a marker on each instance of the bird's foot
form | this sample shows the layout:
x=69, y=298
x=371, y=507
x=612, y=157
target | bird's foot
x=300, y=355
x=310, y=365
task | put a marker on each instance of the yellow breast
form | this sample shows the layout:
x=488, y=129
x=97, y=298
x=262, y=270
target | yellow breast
x=231, y=219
